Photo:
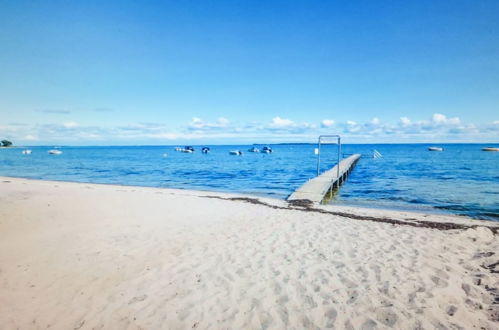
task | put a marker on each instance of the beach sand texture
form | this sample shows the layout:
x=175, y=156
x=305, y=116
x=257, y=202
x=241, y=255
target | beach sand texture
x=85, y=256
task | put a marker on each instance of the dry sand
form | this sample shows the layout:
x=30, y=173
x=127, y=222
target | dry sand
x=85, y=256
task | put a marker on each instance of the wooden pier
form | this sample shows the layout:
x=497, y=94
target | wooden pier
x=316, y=189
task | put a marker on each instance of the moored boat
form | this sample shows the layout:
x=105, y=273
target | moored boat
x=205, y=150
x=267, y=150
x=26, y=152
x=490, y=149
x=188, y=149
x=253, y=149
x=435, y=149
x=54, y=152
x=236, y=152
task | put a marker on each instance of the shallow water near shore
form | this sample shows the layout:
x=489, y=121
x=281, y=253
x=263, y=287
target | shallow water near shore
x=460, y=180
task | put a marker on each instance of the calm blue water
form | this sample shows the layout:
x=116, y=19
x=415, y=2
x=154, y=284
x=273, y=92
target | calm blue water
x=461, y=180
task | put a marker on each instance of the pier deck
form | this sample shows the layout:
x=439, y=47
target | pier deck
x=316, y=189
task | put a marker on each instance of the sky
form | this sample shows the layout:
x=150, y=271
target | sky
x=229, y=72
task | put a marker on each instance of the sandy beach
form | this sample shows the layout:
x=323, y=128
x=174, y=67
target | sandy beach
x=87, y=256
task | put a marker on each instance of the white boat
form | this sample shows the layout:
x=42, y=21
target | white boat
x=435, y=149
x=188, y=151
x=205, y=150
x=267, y=150
x=236, y=152
x=178, y=149
x=253, y=149
x=490, y=149
x=26, y=152
x=55, y=152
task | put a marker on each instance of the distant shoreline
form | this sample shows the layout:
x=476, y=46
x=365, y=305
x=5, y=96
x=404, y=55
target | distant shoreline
x=247, y=144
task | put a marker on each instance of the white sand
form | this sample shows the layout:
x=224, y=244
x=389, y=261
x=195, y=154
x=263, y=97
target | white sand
x=83, y=256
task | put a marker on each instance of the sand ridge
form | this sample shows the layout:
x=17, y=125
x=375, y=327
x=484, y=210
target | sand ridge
x=83, y=256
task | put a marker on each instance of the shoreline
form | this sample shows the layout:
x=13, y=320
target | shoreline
x=340, y=205
x=80, y=255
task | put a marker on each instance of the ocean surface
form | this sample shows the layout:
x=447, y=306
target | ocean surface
x=460, y=180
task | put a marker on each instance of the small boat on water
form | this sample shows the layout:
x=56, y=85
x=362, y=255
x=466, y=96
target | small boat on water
x=188, y=149
x=490, y=149
x=435, y=149
x=236, y=152
x=205, y=150
x=253, y=149
x=26, y=152
x=267, y=150
x=54, y=152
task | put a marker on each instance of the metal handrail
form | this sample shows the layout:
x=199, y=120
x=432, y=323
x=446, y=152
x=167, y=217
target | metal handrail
x=319, y=152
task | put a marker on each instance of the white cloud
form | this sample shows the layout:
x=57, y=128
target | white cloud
x=439, y=118
x=70, y=124
x=30, y=137
x=224, y=122
x=405, y=121
x=198, y=124
x=327, y=123
x=278, y=122
x=438, y=127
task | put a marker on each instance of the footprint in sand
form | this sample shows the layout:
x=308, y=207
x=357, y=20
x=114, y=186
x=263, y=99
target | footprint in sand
x=368, y=325
x=352, y=296
x=387, y=317
x=137, y=299
x=330, y=316
x=439, y=282
x=451, y=310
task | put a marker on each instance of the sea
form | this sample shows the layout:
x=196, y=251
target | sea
x=462, y=179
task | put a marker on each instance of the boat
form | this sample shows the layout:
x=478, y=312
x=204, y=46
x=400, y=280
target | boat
x=188, y=149
x=253, y=149
x=236, y=152
x=205, y=150
x=55, y=152
x=26, y=152
x=435, y=149
x=267, y=150
x=490, y=149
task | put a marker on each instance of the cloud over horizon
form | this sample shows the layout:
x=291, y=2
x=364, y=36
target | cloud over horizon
x=438, y=128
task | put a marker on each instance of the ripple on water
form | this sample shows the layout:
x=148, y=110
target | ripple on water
x=460, y=180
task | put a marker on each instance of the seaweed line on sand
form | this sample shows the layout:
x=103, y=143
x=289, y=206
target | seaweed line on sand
x=307, y=206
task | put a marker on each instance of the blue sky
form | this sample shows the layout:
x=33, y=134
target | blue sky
x=95, y=73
